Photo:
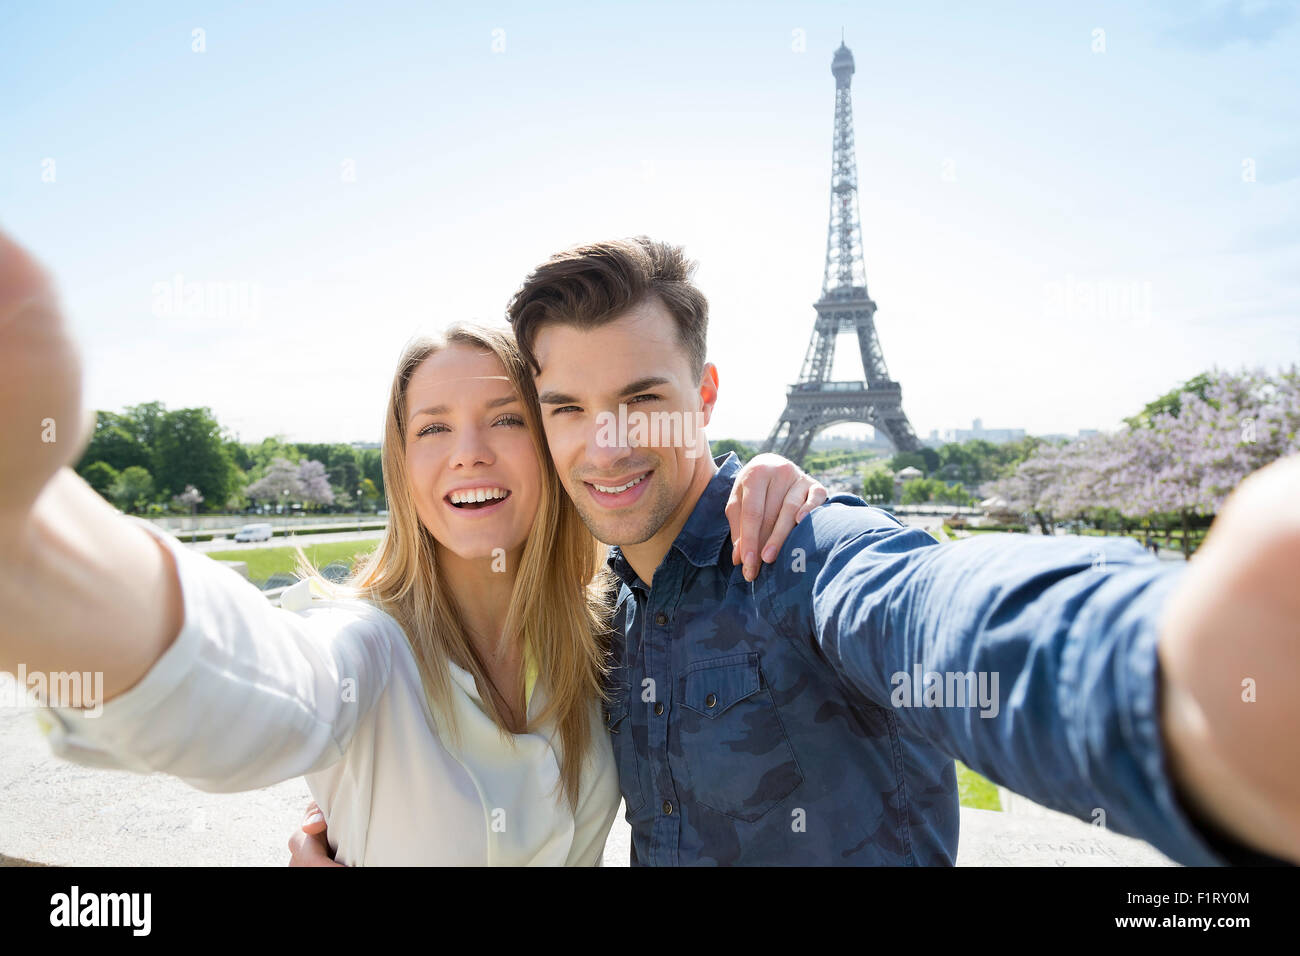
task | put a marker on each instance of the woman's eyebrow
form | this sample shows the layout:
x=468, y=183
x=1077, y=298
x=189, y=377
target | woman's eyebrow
x=444, y=409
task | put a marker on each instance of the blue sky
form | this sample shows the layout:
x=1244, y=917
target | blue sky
x=1054, y=234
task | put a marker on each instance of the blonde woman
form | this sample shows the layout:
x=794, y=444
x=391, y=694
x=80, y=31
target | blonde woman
x=459, y=672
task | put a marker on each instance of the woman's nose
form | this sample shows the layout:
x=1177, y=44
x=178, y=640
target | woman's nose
x=471, y=449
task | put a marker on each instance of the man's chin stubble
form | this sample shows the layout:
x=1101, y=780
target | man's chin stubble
x=609, y=533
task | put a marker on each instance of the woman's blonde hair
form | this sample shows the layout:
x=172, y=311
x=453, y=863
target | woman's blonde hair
x=559, y=608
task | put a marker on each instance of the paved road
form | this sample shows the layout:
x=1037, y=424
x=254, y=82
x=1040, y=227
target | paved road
x=230, y=544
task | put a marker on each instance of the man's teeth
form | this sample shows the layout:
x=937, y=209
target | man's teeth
x=615, y=490
x=476, y=494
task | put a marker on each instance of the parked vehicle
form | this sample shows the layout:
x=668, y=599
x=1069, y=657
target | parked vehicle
x=254, y=532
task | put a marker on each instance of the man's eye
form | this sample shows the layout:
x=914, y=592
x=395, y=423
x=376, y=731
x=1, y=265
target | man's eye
x=647, y=397
x=509, y=420
x=565, y=408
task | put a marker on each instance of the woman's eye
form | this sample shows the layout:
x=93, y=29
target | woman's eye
x=509, y=420
x=429, y=428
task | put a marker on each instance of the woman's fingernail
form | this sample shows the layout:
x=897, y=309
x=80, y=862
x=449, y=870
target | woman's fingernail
x=316, y=817
x=769, y=553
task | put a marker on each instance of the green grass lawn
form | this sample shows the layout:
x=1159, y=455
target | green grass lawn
x=264, y=562
x=974, y=791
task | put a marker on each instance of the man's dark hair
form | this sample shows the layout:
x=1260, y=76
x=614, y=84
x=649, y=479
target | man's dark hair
x=589, y=285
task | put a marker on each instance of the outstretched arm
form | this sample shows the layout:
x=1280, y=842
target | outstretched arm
x=1091, y=676
x=195, y=673
x=82, y=589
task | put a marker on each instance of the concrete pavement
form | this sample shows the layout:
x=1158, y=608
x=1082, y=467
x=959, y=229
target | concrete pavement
x=59, y=813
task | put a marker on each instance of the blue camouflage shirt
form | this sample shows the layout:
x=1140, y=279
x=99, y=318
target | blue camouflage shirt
x=812, y=716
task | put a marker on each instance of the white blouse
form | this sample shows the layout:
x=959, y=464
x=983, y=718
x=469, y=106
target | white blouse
x=249, y=695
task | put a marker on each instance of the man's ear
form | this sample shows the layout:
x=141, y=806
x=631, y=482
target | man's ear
x=708, y=390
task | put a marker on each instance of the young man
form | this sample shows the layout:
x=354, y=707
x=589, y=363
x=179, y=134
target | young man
x=810, y=713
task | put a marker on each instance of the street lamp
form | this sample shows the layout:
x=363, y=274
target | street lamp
x=358, y=510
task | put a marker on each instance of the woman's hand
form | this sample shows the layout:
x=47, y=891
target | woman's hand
x=41, y=423
x=83, y=590
x=770, y=496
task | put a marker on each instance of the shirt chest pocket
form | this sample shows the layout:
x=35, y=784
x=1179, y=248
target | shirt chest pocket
x=731, y=738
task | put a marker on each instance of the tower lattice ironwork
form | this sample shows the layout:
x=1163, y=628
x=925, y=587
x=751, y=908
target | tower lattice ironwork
x=816, y=401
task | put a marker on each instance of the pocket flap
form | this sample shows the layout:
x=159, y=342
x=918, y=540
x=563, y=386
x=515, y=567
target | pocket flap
x=714, y=685
x=615, y=711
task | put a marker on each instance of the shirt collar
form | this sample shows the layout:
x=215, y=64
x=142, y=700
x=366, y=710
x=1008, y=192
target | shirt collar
x=700, y=540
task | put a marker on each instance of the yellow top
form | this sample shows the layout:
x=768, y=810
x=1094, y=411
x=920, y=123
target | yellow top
x=530, y=675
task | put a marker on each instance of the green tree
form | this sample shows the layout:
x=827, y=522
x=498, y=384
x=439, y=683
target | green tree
x=927, y=460
x=114, y=443
x=133, y=489
x=955, y=494
x=1171, y=401
x=190, y=449
x=724, y=445
x=240, y=455
x=101, y=476
x=345, y=469
x=369, y=493
x=918, y=491
x=1012, y=453
x=372, y=467
x=878, y=483
x=342, y=465
x=144, y=420
x=267, y=451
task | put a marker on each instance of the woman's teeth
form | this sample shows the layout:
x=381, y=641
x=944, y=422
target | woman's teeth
x=471, y=496
x=618, y=488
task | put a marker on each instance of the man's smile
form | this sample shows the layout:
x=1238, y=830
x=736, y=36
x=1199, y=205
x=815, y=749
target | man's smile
x=619, y=492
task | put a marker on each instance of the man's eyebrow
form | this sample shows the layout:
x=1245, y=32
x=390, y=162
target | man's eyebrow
x=444, y=409
x=641, y=384
x=552, y=397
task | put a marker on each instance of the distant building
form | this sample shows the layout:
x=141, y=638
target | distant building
x=994, y=436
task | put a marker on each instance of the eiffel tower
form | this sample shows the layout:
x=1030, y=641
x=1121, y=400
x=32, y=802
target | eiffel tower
x=815, y=401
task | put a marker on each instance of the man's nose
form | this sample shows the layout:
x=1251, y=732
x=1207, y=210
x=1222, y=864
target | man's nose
x=610, y=440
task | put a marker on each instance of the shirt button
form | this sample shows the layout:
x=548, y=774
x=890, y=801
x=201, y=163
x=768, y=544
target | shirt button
x=661, y=618
x=659, y=709
x=711, y=700
x=668, y=807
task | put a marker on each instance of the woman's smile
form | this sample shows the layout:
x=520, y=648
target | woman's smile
x=477, y=500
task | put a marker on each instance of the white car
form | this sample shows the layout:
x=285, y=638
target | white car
x=254, y=532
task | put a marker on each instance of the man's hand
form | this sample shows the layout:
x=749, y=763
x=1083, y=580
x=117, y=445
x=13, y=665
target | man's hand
x=1229, y=656
x=768, y=498
x=309, y=846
